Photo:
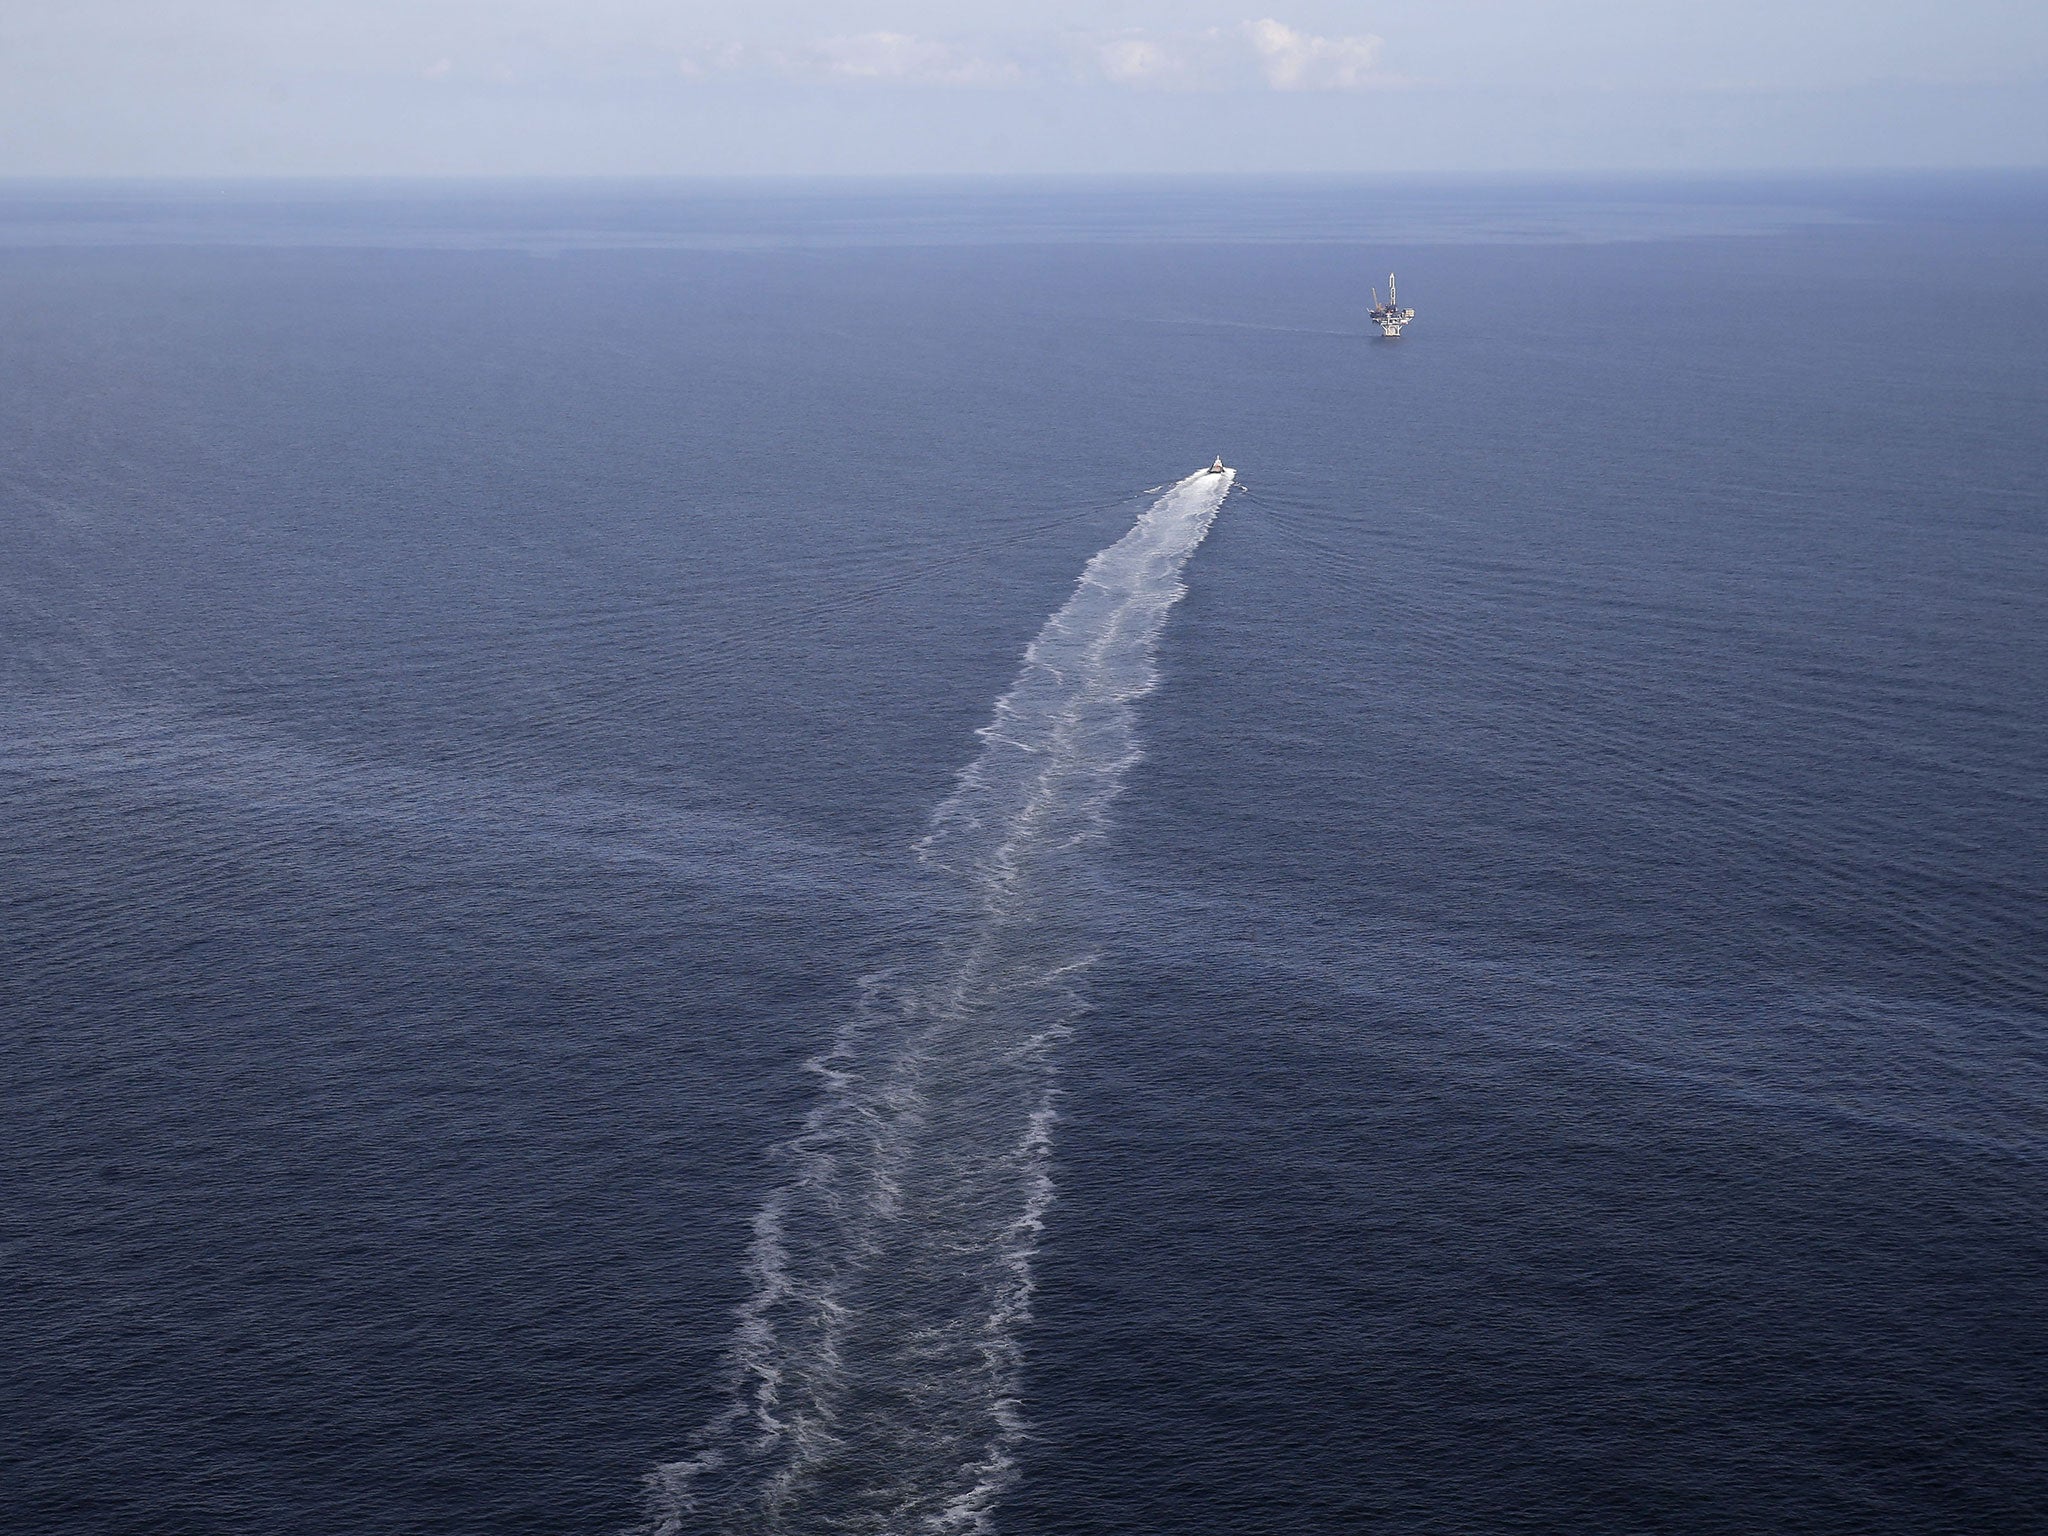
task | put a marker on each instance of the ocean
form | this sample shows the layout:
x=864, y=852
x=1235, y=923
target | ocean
x=667, y=868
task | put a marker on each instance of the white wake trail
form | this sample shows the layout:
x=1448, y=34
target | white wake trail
x=876, y=1370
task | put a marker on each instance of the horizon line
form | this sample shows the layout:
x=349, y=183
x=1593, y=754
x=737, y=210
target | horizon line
x=1609, y=174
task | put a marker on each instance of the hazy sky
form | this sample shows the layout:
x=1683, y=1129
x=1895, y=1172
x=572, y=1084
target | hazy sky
x=208, y=87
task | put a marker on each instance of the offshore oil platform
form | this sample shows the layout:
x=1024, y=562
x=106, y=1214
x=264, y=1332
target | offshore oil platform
x=1389, y=317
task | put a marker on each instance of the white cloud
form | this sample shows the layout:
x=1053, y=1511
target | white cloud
x=892, y=58
x=1296, y=61
x=556, y=44
x=1265, y=53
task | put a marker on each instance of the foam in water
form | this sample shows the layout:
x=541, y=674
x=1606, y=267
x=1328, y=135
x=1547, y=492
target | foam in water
x=876, y=1369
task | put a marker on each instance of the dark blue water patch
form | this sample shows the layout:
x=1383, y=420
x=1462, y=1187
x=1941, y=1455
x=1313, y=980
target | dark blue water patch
x=1471, y=1285
x=473, y=1094
x=1568, y=1049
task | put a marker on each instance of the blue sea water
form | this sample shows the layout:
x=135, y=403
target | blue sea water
x=663, y=870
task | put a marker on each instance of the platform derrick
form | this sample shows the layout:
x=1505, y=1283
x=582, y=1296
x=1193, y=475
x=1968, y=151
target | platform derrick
x=1390, y=316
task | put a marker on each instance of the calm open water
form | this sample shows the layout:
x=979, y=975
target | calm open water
x=1487, y=973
